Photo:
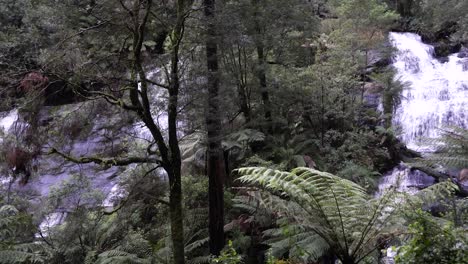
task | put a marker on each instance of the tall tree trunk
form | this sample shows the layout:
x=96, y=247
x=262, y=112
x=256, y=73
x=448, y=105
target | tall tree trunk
x=175, y=214
x=244, y=105
x=261, y=71
x=174, y=171
x=261, y=74
x=215, y=158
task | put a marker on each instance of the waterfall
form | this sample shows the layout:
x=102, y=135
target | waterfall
x=437, y=96
x=435, y=99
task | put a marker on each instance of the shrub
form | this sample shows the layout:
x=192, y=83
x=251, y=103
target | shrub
x=19, y=161
x=433, y=242
x=33, y=81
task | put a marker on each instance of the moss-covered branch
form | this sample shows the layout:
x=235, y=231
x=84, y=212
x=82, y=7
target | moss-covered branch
x=107, y=162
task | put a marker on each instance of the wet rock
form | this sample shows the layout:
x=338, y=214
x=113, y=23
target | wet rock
x=462, y=180
x=405, y=179
x=443, y=59
x=372, y=94
x=372, y=88
x=437, y=209
x=463, y=176
x=446, y=30
x=463, y=53
x=464, y=64
x=377, y=59
x=445, y=48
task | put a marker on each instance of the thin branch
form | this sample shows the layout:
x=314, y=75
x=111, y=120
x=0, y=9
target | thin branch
x=157, y=84
x=83, y=30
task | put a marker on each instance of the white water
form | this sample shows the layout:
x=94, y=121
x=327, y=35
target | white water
x=51, y=220
x=8, y=120
x=438, y=92
x=436, y=98
x=405, y=180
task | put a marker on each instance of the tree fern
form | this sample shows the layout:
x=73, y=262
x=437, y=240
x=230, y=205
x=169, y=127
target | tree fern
x=120, y=257
x=450, y=150
x=17, y=257
x=25, y=253
x=327, y=212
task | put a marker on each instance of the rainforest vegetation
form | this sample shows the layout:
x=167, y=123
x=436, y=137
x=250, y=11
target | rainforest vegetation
x=234, y=131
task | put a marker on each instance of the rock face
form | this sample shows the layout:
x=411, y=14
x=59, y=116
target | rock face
x=463, y=53
x=444, y=48
x=463, y=181
x=372, y=94
x=377, y=59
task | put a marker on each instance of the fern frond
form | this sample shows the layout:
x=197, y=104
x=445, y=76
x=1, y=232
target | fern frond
x=117, y=256
x=200, y=260
x=450, y=149
x=323, y=211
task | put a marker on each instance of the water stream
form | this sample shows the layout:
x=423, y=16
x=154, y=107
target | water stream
x=435, y=99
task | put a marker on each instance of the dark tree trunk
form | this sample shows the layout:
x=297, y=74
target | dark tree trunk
x=168, y=153
x=261, y=74
x=244, y=105
x=174, y=171
x=404, y=7
x=215, y=158
x=348, y=260
x=175, y=214
x=261, y=71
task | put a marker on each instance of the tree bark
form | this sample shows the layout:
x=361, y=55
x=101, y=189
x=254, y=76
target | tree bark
x=175, y=214
x=261, y=74
x=169, y=157
x=215, y=158
x=174, y=170
x=261, y=70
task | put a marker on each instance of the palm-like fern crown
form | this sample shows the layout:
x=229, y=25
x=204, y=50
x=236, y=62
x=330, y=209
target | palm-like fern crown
x=328, y=212
x=451, y=149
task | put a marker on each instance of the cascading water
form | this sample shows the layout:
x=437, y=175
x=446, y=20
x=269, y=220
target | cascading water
x=438, y=91
x=107, y=132
x=436, y=98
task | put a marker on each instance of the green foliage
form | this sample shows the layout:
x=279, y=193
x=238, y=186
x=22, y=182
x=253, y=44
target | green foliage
x=440, y=19
x=391, y=93
x=433, y=241
x=322, y=209
x=16, y=234
x=14, y=226
x=228, y=256
x=451, y=149
x=134, y=248
x=360, y=175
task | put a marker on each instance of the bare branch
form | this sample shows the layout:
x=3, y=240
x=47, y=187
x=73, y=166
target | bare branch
x=158, y=84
